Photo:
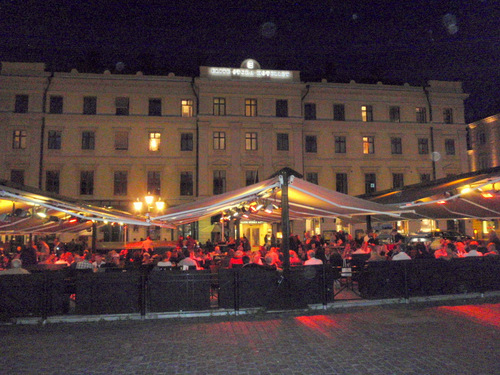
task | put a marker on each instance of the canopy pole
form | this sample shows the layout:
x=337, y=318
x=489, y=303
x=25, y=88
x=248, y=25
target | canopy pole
x=285, y=222
x=94, y=237
x=368, y=223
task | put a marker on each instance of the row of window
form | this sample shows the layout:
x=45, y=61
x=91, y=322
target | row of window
x=54, y=142
x=122, y=107
x=120, y=181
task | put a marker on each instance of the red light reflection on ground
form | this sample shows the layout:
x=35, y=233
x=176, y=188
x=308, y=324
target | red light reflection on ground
x=484, y=314
x=319, y=323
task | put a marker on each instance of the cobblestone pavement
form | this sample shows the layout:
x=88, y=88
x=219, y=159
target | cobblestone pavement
x=450, y=338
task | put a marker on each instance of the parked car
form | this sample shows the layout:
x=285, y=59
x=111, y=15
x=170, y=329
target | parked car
x=431, y=236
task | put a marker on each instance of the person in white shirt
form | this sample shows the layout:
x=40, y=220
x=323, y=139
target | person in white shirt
x=473, y=250
x=400, y=255
x=311, y=259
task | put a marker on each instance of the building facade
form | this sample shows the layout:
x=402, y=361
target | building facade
x=110, y=139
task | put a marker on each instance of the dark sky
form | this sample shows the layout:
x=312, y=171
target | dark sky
x=393, y=41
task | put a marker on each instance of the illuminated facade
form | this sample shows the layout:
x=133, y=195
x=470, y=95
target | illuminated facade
x=111, y=138
x=485, y=143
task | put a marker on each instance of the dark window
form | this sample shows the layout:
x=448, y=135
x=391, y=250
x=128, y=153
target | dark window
x=54, y=140
x=120, y=183
x=187, y=142
x=341, y=183
x=219, y=140
x=56, y=104
x=449, y=145
x=21, y=104
x=219, y=107
x=17, y=176
x=250, y=107
x=423, y=146
x=310, y=111
x=251, y=177
x=481, y=137
x=121, y=140
x=86, y=182
x=396, y=146
x=89, y=105
x=251, y=143
x=421, y=114
x=282, y=142
x=281, y=108
x=339, y=112
x=186, y=187
x=448, y=116
x=19, y=139
x=397, y=180
x=394, y=114
x=367, y=113
x=368, y=145
x=370, y=183
x=312, y=177
x=425, y=177
x=88, y=140
x=52, y=181
x=122, y=106
x=154, y=107
x=219, y=182
x=311, y=143
x=154, y=183
x=340, y=144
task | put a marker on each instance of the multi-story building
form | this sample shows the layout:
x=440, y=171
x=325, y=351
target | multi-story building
x=484, y=143
x=112, y=138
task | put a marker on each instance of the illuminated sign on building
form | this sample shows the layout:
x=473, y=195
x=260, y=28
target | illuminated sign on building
x=250, y=69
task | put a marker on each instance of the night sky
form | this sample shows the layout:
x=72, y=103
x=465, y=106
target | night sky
x=393, y=41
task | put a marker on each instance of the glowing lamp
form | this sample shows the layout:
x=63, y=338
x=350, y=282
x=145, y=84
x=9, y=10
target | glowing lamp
x=487, y=194
x=149, y=199
x=138, y=205
x=160, y=205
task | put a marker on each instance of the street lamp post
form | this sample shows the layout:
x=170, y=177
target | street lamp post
x=151, y=202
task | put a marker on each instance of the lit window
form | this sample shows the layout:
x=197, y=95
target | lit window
x=368, y=145
x=19, y=140
x=219, y=107
x=250, y=107
x=154, y=141
x=251, y=142
x=187, y=108
x=219, y=140
x=367, y=113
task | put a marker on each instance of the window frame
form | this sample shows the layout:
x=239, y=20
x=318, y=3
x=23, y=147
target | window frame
x=398, y=181
x=309, y=111
x=186, y=184
x=311, y=144
x=219, y=182
x=54, y=140
x=153, y=183
x=52, y=181
x=341, y=183
x=219, y=140
x=187, y=107
x=187, y=142
x=448, y=115
x=120, y=183
x=251, y=107
x=340, y=142
x=281, y=108
x=88, y=140
x=396, y=146
x=219, y=106
x=87, y=182
x=56, y=104
x=370, y=178
x=122, y=106
x=395, y=113
x=368, y=144
x=423, y=146
x=421, y=115
x=338, y=112
x=312, y=177
x=121, y=139
x=367, y=113
x=282, y=142
x=251, y=177
x=155, y=107
x=449, y=146
x=21, y=103
x=251, y=141
x=89, y=105
x=154, y=141
x=19, y=139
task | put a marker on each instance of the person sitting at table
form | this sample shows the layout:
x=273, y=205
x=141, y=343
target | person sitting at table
x=375, y=254
x=98, y=262
x=187, y=261
x=441, y=252
x=294, y=259
x=15, y=268
x=84, y=262
x=165, y=262
x=399, y=254
x=147, y=245
x=491, y=249
x=473, y=250
x=311, y=259
x=335, y=258
x=236, y=260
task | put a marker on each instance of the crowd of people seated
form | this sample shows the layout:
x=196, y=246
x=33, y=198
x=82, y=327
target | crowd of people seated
x=189, y=254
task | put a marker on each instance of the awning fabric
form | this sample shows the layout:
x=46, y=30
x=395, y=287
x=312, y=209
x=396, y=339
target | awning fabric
x=19, y=203
x=474, y=195
x=306, y=200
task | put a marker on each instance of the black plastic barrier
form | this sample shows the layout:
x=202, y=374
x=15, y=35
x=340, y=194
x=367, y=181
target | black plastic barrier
x=175, y=290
